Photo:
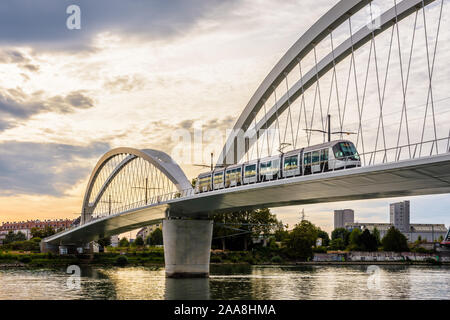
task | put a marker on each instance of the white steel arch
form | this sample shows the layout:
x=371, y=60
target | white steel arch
x=162, y=161
x=323, y=27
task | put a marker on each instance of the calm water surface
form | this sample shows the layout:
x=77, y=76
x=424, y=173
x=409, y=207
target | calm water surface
x=232, y=282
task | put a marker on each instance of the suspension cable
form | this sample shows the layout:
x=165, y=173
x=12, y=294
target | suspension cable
x=267, y=131
x=276, y=112
x=405, y=85
x=336, y=81
x=381, y=95
x=313, y=112
x=364, y=94
x=318, y=89
x=289, y=117
x=257, y=139
x=341, y=125
x=302, y=104
x=430, y=72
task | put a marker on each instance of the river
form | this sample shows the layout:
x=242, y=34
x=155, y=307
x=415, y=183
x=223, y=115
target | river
x=231, y=282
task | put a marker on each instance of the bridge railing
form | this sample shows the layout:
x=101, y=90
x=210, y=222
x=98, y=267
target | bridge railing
x=394, y=154
x=406, y=152
x=142, y=203
x=376, y=157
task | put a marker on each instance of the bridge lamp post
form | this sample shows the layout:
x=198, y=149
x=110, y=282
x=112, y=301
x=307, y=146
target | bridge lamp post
x=146, y=188
x=110, y=202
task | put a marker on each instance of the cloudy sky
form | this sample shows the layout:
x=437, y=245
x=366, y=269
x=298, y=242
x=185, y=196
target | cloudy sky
x=135, y=72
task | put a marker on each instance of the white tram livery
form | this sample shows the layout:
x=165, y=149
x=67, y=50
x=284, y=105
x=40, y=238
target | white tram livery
x=329, y=156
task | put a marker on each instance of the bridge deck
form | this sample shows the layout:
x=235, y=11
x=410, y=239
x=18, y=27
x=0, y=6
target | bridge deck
x=429, y=175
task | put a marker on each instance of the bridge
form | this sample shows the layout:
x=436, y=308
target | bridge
x=375, y=66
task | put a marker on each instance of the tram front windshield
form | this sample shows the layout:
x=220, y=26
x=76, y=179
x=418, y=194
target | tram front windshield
x=345, y=150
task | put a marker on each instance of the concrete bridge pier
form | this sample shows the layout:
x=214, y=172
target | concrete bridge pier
x=187, y=247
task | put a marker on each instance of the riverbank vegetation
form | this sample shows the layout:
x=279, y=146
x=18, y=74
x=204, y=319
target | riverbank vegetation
x=251, y=237
x=117, y=256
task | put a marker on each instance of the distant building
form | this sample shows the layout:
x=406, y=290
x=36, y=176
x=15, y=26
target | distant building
x=115, y=241
x=26, y=226
x=399, y=215
x=146, y=231
x=429, y=232
x=400, y=219
x=381, y=227
x=342, y=217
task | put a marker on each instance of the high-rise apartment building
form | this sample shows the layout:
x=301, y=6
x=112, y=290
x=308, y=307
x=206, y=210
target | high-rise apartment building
x=399, y=215
x=341, y=217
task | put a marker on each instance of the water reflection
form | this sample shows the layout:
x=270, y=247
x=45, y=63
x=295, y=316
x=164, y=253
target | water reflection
x=232, y=282
x=94, y=284
x=187, y=289
x=142, y=283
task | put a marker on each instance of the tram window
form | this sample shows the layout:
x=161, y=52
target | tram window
x=345, y=149
x=287, y=163
x=291, y=163
x=205, y=180
x=339, y=154
x=231, y=175
x=294, y=162
x=237, y=174
x=324, y=155
x=315, y=156
x=218, y=177
x=307, y=158
x=266, y=166
x=250, y=171
x=353, y=150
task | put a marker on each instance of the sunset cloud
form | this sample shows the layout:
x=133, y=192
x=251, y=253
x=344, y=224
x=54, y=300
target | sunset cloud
x=44, y=169
x=17, y=106
x=43, y=23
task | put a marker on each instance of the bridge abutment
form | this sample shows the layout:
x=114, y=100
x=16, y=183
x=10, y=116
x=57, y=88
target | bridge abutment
x=187, y=247
x=62, y=249
x=47, y=247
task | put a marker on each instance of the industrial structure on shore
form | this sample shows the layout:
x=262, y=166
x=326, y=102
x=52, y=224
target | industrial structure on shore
x=399, y=215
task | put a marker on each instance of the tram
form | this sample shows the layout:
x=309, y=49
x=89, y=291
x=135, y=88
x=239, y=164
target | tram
x=329, y=156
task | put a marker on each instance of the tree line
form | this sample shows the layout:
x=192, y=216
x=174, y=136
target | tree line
x=357, y=240
x=242, y=230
